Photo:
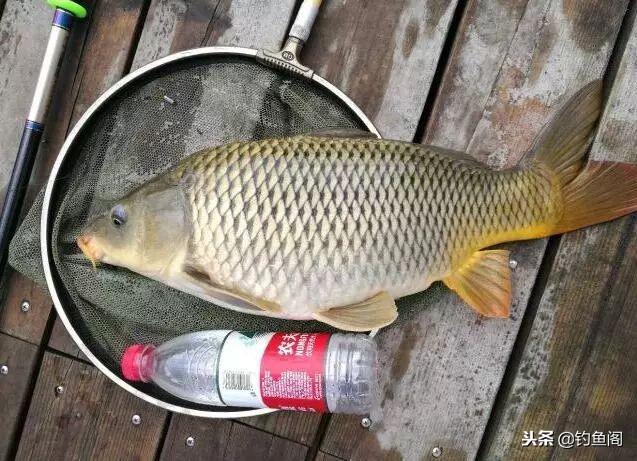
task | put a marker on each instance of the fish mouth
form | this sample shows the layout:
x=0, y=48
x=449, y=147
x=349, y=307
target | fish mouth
x=86, y=243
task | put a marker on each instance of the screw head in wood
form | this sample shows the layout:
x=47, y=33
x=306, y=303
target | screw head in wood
x=366, y=422
x=4, y=370
x=25, y=306
x=513, y=263
x=59, y=390
x=436, y=452
x=136, y=420
x=190, y=441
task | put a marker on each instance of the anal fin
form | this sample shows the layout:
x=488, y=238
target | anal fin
x=484, y=282
x=375, y=312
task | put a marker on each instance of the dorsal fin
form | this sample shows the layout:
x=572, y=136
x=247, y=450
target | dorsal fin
x=342, y=133
x=563, y=142
x=457, y=155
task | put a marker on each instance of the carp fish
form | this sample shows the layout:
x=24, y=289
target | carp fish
x=335, y=226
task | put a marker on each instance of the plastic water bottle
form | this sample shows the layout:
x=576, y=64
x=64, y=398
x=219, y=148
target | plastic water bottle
x=319, y=372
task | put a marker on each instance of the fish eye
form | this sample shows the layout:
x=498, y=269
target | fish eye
x=118, y=216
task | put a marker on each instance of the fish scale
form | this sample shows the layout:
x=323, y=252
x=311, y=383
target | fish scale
x=311, y=222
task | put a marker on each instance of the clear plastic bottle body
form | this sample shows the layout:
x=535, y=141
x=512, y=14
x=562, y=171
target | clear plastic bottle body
x=188, y=367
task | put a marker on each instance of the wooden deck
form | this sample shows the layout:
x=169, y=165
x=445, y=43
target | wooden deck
x=476, y=75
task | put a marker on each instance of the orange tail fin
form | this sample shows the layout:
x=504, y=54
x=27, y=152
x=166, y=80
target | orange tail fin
x=601, y=192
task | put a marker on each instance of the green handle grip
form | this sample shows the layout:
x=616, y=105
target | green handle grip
x=75, y=9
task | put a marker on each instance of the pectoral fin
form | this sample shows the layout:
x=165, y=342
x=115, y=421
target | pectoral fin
x=372, y=313
x=484, y=282
x=200, y=282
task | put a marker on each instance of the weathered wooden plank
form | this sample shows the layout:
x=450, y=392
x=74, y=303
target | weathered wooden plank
x=209, y=438
x=91, y=418
x=296, y=426
x=176, y=25
x=24, y=31
x=60, y=340
x=223, y=439
x=479, y=50
x=110, y=43
x=16, y=321
x=321, y=456
x=578, y=372
x=442, y=369
x=383, y=56
x=249, y=443
x=20, y=359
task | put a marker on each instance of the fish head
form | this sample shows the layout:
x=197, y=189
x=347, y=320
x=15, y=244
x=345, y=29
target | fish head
x=144, y=231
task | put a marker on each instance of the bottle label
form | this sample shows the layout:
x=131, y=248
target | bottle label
x=240, y=368
x=293, y=371
x=274, y=370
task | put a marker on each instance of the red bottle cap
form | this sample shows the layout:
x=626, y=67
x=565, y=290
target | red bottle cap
x=131, y=362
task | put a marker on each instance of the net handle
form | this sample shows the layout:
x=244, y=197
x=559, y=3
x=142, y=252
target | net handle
x=287, y=59
x=305, y=20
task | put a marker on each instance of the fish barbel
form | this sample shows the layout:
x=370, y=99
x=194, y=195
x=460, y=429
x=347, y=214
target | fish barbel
x=336, y=226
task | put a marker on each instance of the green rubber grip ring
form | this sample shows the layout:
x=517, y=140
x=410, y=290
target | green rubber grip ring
x=75, y=9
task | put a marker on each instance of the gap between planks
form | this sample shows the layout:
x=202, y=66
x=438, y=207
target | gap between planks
x=441, y=70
